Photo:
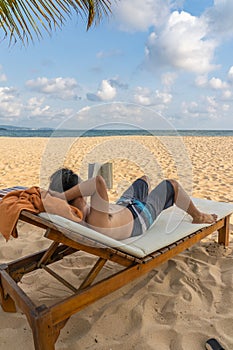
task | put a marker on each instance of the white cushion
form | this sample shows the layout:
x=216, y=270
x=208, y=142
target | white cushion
x=170, y=226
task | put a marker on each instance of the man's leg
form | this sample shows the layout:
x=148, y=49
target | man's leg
x=183, y=201
x=138, y=190
x=160, y=198
x=170, y=192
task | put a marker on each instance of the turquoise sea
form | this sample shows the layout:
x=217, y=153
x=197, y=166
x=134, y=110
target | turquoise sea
x=119, y=132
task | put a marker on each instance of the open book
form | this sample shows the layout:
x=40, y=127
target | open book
x=105, y=170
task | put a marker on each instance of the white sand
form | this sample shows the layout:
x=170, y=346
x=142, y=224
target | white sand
x=178, y=305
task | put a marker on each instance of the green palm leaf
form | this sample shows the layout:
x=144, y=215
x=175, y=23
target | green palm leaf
x=22, y=19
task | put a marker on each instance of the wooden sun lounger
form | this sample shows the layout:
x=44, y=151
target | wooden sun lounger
x=47, y=321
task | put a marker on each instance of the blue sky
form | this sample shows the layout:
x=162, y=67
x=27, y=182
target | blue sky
x=152, y=63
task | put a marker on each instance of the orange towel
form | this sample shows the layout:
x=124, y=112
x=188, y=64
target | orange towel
x=36, y=201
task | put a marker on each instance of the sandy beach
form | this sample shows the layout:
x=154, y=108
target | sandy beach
x=178, y=305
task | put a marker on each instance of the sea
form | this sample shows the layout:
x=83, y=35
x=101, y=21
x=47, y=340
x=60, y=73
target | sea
x=114, y=132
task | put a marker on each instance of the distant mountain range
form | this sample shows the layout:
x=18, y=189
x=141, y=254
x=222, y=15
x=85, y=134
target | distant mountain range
x=13, y=127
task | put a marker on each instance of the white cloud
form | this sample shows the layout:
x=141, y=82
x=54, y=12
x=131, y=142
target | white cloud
x=230, y=74
x=138, y=15
x=168, y=79
x=62, y=88
x=211, y=101
x=227, y=95
x=201, y=81
x=143, y=96
x=106, y=91
x=213, y=83
x=123, y=114
x=208, y=107
x=146, y=97
x=10, y=104
x=182, y=44
x=13, y=109
x=192, y=109
x=219, y=18
x=117, y=83
x=212, y=111
x=35, y=107
x=35, y=101
x=107, y=113
x=225, y=107
x=163, y=97
x=217, y=83
x=3, y=77
x=83, y=113
x=142, y=100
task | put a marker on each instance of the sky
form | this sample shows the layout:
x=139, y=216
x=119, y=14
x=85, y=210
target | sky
x=152, y=64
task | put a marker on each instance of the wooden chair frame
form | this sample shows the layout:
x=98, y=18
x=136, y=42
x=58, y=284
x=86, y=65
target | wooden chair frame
x=47, y=321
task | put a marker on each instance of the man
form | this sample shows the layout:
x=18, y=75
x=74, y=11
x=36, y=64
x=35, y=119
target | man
x=133, y=213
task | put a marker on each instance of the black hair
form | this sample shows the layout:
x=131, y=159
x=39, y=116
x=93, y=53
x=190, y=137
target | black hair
x=63, y=179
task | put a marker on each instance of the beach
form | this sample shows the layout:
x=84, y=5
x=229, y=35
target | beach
x=178, y=305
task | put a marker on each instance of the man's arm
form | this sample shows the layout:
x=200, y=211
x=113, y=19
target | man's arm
x=94, y=188
x=98, y=216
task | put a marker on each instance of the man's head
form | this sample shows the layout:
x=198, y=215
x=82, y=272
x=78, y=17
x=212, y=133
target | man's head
x=63, y=179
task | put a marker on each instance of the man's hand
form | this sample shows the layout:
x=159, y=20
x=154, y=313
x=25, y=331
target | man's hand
x=56, y=194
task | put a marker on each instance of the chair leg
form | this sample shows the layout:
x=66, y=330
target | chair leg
x=44, y=333
x=7, y=303
x=224, y=232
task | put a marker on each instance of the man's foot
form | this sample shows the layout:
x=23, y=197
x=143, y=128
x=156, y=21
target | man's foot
x=204, y=218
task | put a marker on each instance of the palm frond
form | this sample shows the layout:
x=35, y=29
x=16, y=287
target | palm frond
x=22, y=19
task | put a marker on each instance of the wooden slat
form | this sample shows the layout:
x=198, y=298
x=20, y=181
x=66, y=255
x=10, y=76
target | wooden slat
x=49, y=252
x=147, y=259
x=29, y=263
x=38, y=221
x=164, y=250
x=179, y=241
x=93, y=273
x=203, y=232
x=74, y=304
x=41, y=222
x=59, y=278
x=108, y=254
x=171, y=246
x=71, y=305
x=155, y=254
